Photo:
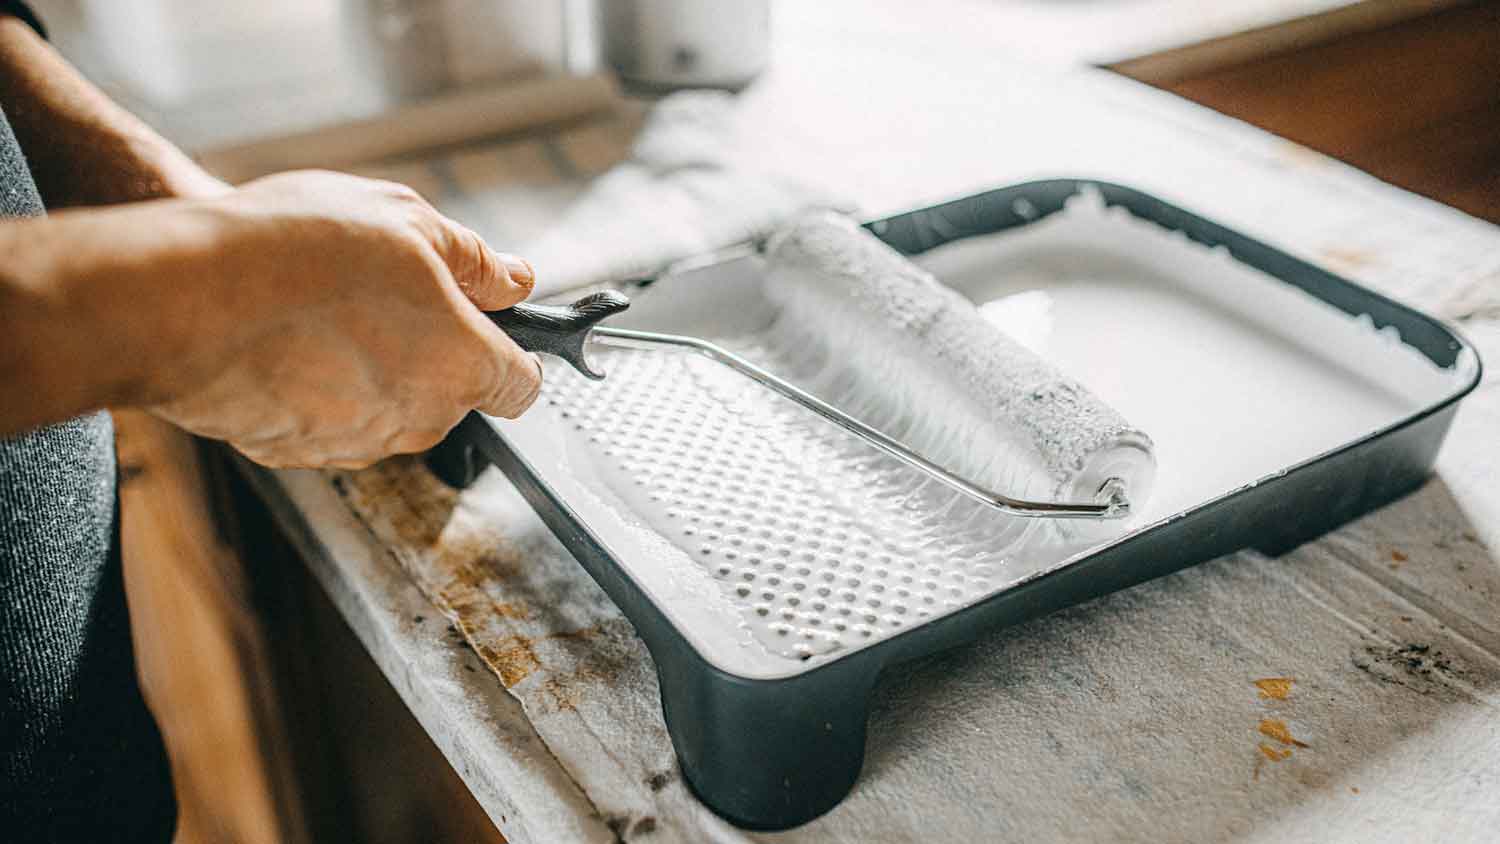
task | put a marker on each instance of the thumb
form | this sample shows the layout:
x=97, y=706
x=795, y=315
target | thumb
x=492, y=280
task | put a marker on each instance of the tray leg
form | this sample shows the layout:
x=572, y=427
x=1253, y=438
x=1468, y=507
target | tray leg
x=1349, y=484
x=457, y=460
x=767, y=754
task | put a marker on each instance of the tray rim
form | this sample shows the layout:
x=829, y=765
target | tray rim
x=891, y=648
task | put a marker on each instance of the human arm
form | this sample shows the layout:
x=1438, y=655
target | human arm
x=82, y=148
x=308, y=319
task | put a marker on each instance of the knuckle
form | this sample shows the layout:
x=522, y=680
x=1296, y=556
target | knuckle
x=411, y=442
x=519, y=389
x=425, y=241
x=477, y=391
x=383, y=420
x=386, y=189
x=481, y=263
x=412, y=257
x=411, y=238
x=404, y=193
x=477, y=394
x=354, y=463
x=472, y=266
x=332, y=420
x=259, y=456
x=465, y=257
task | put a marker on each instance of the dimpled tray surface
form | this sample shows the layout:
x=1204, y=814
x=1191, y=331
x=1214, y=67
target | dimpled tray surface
x=773, y=565
x=806, y=533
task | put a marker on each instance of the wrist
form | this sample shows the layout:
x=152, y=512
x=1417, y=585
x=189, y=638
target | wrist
x=138, y=165
x=127, y=297
x=160, y=170
x=200, y=292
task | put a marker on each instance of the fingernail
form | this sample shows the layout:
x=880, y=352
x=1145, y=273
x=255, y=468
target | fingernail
x=518, y=269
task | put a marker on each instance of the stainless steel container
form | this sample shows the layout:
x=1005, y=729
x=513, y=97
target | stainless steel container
x=665, y=45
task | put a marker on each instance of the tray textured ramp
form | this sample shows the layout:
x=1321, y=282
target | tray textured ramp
x=813, y=551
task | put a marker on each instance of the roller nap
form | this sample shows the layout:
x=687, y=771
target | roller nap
x=923, y=363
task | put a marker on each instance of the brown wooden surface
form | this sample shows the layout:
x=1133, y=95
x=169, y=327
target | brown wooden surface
x=1195, y=60
x=1416, y=103
x=279, y=727
x=199, y=648
x=365, y=769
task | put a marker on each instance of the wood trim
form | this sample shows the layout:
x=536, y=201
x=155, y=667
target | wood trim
x=442, y=121
x=200, y=649
x=1169, y=66
x=1415, y=103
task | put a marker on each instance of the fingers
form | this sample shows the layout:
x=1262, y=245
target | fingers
x=492, y=280
x=517, y=378
x=343, y=453
x=390, y=357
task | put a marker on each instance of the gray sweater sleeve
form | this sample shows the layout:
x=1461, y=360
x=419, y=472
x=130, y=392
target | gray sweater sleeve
x=80, y=756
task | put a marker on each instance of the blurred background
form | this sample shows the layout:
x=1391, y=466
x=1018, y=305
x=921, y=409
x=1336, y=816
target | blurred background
x=1403, y=88
x=504, y=112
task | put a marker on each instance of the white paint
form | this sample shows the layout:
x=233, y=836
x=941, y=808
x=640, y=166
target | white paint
x=1235, y=375
x=867, y=330
x=1026, y=316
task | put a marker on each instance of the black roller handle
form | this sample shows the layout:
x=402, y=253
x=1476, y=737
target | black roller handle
x=560, y=330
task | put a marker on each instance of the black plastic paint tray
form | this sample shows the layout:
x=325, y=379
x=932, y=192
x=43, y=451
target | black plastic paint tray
x=1283, y=400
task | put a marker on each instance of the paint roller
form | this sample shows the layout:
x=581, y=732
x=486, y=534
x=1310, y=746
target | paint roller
x=883, y=350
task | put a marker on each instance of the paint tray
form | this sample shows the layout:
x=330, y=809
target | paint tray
x=1283, y=401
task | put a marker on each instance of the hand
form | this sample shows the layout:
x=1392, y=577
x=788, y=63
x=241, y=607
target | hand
x=339, y=324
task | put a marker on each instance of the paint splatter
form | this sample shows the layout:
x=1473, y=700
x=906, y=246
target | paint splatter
x=1275, y=729
x=1348, y=258
x=1274, y=688
x=512, y=658
x=1275, y=754
x=516, y=611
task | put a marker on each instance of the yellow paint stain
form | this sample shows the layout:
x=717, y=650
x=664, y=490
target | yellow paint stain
x=1274, y=688
x=1274, y=729
x=512, y=658
x=1312, y=778
x=1348, y=259
x=516, y=611
x=1275, y=754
